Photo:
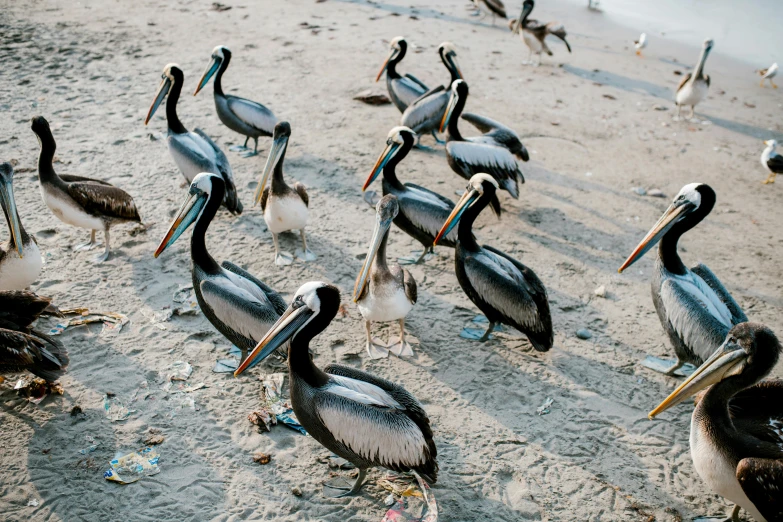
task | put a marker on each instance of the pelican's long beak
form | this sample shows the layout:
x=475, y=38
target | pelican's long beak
x=285, y=328
x=766, y=142
x=525, y=11
x=163, y=90
x=667, y=221
x=381, y=228
x=383, y=159
x=464, y=202
x=9, y=205
x=726, y=361
x=383, y=67
x=449, y=109
x=277, y=151
x=456, y=66
x=208, y=73
x=188, y=213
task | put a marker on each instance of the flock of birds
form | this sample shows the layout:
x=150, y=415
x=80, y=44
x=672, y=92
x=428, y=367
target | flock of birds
x=737, y=425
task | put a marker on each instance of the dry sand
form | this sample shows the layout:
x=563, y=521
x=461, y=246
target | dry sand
x=92, y=69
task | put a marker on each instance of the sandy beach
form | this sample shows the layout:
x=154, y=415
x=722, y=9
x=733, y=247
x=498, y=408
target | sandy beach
x=598, y=124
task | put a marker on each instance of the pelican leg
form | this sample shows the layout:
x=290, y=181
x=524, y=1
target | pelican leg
x=529, y=57
x=438, y=140
x=376, y=348
x=281, y=258
x=239, y=148
x=676, y=366
x=770, y=178
x=253, y=153
x=422, y=257
x=89, y=245
x=304, y=254
x=538, y=63
x=400, y=347
x=103, y=257
x=488, y=332
x=762, y=83
x=693, y=109
x=340, y=485
x=774, y=85
x=679, y=110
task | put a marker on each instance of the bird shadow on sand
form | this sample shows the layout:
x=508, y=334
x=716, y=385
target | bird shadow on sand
x=423, y=12
x=621, y=82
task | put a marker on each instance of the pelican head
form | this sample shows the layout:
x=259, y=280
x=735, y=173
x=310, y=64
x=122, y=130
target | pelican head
x=280, y=138
x=9, y=205
x=771, y=144
x=220, y=54
x=459, y=91
x=385, y=212
x=398, y=144
x=480, y=187
x=201, y=189
x=315, y=302
x=527, y=8
x=171, y=74
x=448, y=55
x=708, y=44
x=749, y=353
x=397, y=48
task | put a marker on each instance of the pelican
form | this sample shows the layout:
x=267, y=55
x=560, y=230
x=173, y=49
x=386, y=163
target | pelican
x=193, y=152
x=403, y=90
x=737, y=427
x=534, y=33
x=481, y=154
x=23, y=348
x=504, y=289
x=77, y=201
x=424, y=115
x=640, y=44
x=20, y=259
x=364, y=419
x=695, y=309
x=284, y=208
x=771, y=161
x=248, y=118
x=694, y=86
x=768, y=74
x=421, y=211
x=493, y=7
x=238, y=305
x=384, y=293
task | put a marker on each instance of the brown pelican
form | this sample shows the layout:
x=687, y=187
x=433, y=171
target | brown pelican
x=771, y=161
x=20, y=259
x=493, y=7
x=23, y=348
x=284, y=208
x=248, y=118
x=694, y=86
x=482, y=154
x=640, y=44
x=768, y=74
x=421, y=211
x=384, y=293
x=425, y=114
x=238, y=305
x=695, y=309
x=193, y=152
x=737, y=427
x=81, y=202
x=504, y=289
x=403, y=90
x=364, y=419
x=534, y=33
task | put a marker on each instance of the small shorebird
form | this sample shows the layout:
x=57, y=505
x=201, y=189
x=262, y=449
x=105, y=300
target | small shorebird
x=768, y=74
x=20, y=258
x=403, y=90
x=694, y=86
x=534, y=33
x=640, y=44
x=248, y=118
x=771, y=161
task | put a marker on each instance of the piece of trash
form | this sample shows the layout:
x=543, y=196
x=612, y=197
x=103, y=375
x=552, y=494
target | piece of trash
x=390, y=500
x=263, y=419
x=400, y=513
x=372, y=98
x=584, y=334
x=640, y=191
x=33, y=502
x=153, y=439
x=662, y=366
x=182, y=387
x=116, y=410
x=112, y=322
x=179, y=371
x=262, y=458
x=655, y=193
x=157, y=319
x=90, y=448
x=36, y=389
x=273, y=408
x=544, y=408
x=133, y=466
x=600, y=291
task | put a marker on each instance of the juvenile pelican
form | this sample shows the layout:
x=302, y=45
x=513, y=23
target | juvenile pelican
x=694, y=86
x=493, y=7
x=384, y=293
x=737, y=427
x=534, y=33
x=248, y=118
x=193, y=152
x=481, y=154
x=695, y=309
x=364, y=419
x=20, y=259
x=768, y=74
x=77, y=201
x=771, y=161
x=640, y=44
x=403, y=90
x=421, y=211
x=504, y=289
x=238, y=305
x=284, y=208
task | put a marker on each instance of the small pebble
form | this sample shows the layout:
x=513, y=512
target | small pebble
x=263, y=458
x=600, y=292
x=640, y=191
x=584, y=333
x=297, y=491
x=655, y=193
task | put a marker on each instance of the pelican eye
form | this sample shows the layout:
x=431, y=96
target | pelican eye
x=298, y=302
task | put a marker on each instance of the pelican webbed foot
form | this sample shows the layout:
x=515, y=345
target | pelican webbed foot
x=437, y=139
x=105, y=255
x=400, y=347
x=425, y=255
x=89, y=245
x=730, y=517
x=377, y=349
x=341, y=487
x=770, y=179
x=240, y=148
x=304, y=253
x=675, y=368
x=283, y=258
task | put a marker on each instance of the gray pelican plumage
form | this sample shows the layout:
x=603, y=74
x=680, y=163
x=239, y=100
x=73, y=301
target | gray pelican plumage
x=421, y=211
x=384, y=293
x=81, y=202
x=504, y=289
x=480, y=154
x=193, y=151
x=737, y=426
x=640, y=44
x=493, y=7
x=20, y=258
x=425, y=114
x=239, y=305
x=364, y=419
x=694, y=85
x=285, y=208
x=534, y=33
x=248, y=118
x=403, y=90
x=769, y=73
x=771, y=161
x=21, y=346
x=695, y=309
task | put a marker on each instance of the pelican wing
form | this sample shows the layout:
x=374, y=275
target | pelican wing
x=758, y=410
x=104, y=201
x=775, y=163
x=737, y=315
x=426, y=210
x=277, y=302
x=409, y=283
x=20, y=308
x=762, y=481
x=252, y=113
x=418, y=82
x=496, y=133
x=474, y=158
x=557, y=29
x=70, y=178
x=224, y=169
x=302, y=191
x=36, y=353
x=406, y=89
x=685, y=78
x=425, y=114
x=497, y=7
x=249, y=314
x=264, y=198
